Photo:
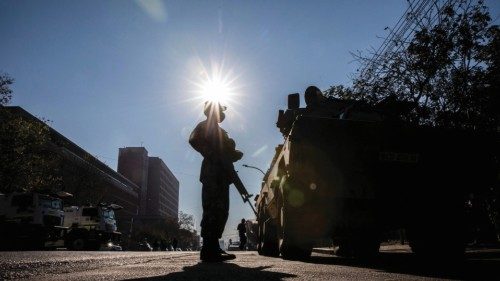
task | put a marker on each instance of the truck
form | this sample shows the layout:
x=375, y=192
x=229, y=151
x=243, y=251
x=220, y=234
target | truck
x=37, y=221
x=91, y=227
x=31, y=220
x=350, y=172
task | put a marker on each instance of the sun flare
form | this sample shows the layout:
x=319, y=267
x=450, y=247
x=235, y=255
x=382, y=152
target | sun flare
x=215, y=82
x=215, y=90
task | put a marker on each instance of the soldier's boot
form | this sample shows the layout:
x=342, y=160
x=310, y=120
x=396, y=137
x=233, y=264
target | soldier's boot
x=211, y=252
x=226, y=255
x=207, y=250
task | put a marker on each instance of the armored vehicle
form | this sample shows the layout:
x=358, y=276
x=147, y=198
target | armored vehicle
x=91, y=227
x=352, y=172
x=31, y=220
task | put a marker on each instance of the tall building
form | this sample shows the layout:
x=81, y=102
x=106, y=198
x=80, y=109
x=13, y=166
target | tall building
x=133, y=164
x=163, y=190
x=159, y=195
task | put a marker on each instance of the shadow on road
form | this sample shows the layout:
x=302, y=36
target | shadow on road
x=221, y=271
x=476, y=266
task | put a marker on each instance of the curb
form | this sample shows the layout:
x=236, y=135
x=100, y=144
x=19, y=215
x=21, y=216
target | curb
x=383, y=248
x=326, y=251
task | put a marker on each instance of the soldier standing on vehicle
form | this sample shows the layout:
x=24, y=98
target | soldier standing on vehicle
x=242, y=230
x=218, y=151
x=313, y=97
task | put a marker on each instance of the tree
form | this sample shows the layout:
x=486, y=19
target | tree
x=5, y=91
x=27, y=161
x=186, y=221
x=449, y=70
x=340, y=91
x=187, y=234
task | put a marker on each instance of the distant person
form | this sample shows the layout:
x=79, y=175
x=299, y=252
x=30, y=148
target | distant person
x=174, y=243
x=218, y=151
x=242, y=230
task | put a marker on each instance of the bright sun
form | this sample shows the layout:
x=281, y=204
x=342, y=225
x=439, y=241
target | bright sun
x=215, y=83
x=215, y=90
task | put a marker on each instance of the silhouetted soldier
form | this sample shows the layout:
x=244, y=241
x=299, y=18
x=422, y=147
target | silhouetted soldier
x=313, y=97
x=218, y=152
x=317, y=104
x=242, y=230
x=174, y=243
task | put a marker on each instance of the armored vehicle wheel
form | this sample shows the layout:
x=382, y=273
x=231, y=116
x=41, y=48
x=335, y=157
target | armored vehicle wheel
x=34, y=239
x=293, y=250
x=269, y=243
x=77, y=244
x=36, y=244
x=437, y=245
x=293, y=245
x=442, y=236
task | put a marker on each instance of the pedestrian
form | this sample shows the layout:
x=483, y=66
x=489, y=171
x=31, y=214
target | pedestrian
x=174, y=243
x=219, y=153
x=242, y=230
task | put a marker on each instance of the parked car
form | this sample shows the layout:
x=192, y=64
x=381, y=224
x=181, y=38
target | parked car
x=234, y=246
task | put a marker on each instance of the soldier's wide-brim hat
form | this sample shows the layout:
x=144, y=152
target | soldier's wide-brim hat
x=211, y=107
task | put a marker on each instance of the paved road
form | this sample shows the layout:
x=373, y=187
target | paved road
x=391, y=265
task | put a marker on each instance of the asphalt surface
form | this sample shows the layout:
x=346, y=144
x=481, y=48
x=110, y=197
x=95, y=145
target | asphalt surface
x=392, y=264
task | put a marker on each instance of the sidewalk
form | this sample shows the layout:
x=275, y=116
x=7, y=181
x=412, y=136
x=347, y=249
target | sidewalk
x=383, y=248
x=406, y=249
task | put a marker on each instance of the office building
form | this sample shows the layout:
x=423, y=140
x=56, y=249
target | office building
x=163, y=190
x=159, y=196
x=86, y=177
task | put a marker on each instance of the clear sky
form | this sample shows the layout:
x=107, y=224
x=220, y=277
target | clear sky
x=111, y=74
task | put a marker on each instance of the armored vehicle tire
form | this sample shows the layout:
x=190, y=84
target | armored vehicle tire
x=33, y=240
x=432, y=246
x=37, y=244
x=295, y=250
x=440, y=238
x=269, y=243
x=77, y=244
x=293, y=245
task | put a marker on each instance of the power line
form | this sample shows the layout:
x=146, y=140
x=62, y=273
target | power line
x=382, y=48
x=398, y=37
x=395, y=46
x=431, y=22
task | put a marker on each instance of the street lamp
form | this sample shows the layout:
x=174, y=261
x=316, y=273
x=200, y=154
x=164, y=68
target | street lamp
x=253, y=167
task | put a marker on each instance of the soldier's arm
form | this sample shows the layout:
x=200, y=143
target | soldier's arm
x=199, y=141
x=230, y=150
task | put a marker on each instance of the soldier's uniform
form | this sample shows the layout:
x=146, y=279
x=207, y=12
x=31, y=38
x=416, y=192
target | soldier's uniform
x=217, y=150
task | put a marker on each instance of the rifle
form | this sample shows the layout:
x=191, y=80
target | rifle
x=235, y=178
